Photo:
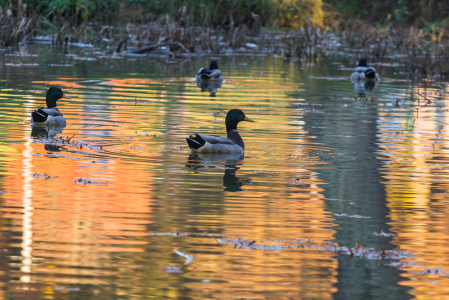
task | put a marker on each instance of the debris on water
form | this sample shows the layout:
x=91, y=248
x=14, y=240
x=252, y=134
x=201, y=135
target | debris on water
x=296, y=181
x=343, y=99
x=172, y=269
x=243, y=243
x=69, y=289
x=211, y=235
x=189, y=258
x=36, y=175
x=352, y=216
x=86, y=181
x=169, y=233
x=435, y=271
x=67, y=141
x=21, y=65
x=382, y=233
x=186, y=234
x=60, y=65
x=329, y=78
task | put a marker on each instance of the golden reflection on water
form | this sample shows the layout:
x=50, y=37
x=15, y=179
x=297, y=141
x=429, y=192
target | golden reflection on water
x=66, y=238
x=415, y=179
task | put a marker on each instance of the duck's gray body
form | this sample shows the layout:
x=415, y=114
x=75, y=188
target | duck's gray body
x=48, y=117
x=215, y=144
x=363, y=73
x=213, y=73
x=206, y=74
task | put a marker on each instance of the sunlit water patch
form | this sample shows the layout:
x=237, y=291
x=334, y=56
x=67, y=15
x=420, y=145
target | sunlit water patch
x=334, y=198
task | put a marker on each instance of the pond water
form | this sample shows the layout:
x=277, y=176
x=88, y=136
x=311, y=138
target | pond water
x=334, y=198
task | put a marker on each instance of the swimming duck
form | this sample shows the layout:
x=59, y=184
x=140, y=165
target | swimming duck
x=363, y=72
x=51, y=114
x=215, y=144
x=211, y=73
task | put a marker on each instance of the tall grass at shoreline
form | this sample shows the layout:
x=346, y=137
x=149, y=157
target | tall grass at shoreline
x=292, y=28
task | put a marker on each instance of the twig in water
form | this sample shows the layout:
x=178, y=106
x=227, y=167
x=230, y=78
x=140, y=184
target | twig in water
x=189, y=258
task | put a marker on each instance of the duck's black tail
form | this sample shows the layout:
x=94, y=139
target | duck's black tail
x=205, y=74
x=195, y=141
x=370, y=74
x=39, y=116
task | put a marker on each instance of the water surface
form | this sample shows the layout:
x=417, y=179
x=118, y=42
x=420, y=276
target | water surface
x=110, y=213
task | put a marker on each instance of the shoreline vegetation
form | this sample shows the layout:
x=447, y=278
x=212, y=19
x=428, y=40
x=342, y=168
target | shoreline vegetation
x=293, y=29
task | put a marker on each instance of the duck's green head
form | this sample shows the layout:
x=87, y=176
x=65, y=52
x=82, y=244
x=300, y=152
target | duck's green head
x=54, y=94
x=362, y=63
x=213, y=65
x=233, y=117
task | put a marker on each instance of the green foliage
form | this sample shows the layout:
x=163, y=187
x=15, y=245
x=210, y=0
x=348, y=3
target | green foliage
x=410, y=12
x=291, y=13
x=401, y=12
x=295, y=13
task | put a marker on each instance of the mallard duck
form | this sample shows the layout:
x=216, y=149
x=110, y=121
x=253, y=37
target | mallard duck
x=51, y=114
x=363, y=72
x=211, y=73
x=215, y=144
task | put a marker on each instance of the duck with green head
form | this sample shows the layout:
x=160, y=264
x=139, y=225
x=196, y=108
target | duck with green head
x=212, y=73
x=233, y=143
x=50, y=115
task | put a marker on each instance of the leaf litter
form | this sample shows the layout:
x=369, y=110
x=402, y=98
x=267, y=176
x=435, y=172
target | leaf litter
x=88, y=182
x=45, y=176
x=397, y=257
x=67, y=141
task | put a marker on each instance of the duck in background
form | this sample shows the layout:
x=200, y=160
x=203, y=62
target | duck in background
x=364, y=79
x=212, y=73
x=233, y=143
x=50, y=115
x=363, y=72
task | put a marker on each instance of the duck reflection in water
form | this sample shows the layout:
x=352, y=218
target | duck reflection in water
x=231, y=161
x=47, y=133
x=362, y=86
x=211, y=85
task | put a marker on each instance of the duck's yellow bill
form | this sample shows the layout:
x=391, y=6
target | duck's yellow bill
x=248, y=120
x=66, y=97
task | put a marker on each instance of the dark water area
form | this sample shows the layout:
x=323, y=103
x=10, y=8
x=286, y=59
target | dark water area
x=334, y=198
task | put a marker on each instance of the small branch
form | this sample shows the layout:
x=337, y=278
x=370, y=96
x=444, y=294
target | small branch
x=150, y=48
